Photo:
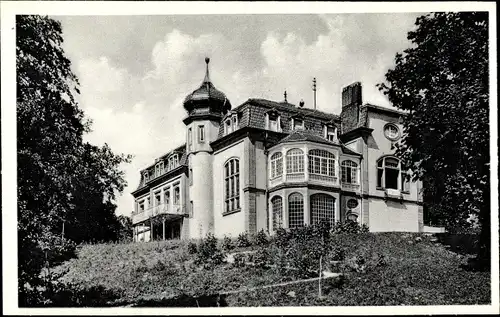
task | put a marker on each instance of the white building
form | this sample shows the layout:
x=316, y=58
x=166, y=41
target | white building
x=266, y=164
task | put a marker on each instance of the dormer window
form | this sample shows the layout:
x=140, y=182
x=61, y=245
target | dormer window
x=273, y=121
x=159, y=168
x=231, y=123
x=298, y=124
x=330, y=133
x=146, y=176
x=173, y=162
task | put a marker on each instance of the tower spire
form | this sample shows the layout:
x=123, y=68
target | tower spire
x=207, y=73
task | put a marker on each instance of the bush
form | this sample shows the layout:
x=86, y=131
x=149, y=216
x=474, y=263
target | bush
x=261, y=238
x=227, y=244
x=261, y=258
x=243, y=240
x=192, y=247
x=208, y=252
x=349, y=226
x=239, y=260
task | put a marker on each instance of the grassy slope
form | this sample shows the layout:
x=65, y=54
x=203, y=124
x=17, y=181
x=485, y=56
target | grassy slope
x=417, y=273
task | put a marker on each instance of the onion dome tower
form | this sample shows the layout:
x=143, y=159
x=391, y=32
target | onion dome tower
x=205, y=108
x=206, y=100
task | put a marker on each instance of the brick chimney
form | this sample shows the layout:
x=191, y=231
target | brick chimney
x=351, y=102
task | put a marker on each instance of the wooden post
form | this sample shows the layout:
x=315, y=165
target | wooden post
x=151, y=231
x=164, y=229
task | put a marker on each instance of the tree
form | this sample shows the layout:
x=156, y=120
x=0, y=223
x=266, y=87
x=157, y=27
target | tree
x=58, y=174
x=442, y=81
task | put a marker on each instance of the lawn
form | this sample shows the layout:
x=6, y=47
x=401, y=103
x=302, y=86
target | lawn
x=414, y=271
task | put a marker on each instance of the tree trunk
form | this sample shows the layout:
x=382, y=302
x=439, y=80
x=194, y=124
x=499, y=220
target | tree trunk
x=484, y=251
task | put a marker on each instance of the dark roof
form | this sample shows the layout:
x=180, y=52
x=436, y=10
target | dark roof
x=252, y=113
x=206, y=91
x=383, y=109
x=301, y=135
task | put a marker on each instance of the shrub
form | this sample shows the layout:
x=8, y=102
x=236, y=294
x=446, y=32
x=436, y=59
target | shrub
x=261, y=238
x=239, y=260
x=208, y=252
x=349, y=226
x=227, y=244
x=261, y=258
x=192, y=247
x=243, y=240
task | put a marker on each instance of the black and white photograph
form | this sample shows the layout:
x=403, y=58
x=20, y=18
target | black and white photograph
x=249, y=157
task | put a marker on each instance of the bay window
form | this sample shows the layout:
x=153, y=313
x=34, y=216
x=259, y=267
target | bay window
x=349, y=172
x=321, y=163
x=276, y=165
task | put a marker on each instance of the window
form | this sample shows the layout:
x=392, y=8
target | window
x=391, y=132
x=352, y=203
x=349, y=172
x=228, y=126
x=273, y=122
x=190, y=138
x=157, y=199
x=232, y=185
x=192, y=208
x=190, y=176
x=146, y=176
x=276, y=165
x=330, y=134
x=295, y=210
x=173, y=162
x=321, y=162
x=405, y=183
x=322, y=208
x=201, y=133
x=277, y=208
x=295, y=161
x=177, y=195
x=149, y=202
x=166, y=198
x=159, y=169
x=141, y=206
x=388, y=173
x=235, y=122
x=298, y=124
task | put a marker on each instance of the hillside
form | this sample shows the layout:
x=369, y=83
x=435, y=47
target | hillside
x=378, y=269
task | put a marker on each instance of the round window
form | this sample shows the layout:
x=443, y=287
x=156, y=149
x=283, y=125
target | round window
x=391, y=132
x=352, y=203
x=352, y=217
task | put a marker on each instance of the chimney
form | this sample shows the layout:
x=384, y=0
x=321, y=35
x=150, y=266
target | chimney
x=352, y=95
x=351, y=102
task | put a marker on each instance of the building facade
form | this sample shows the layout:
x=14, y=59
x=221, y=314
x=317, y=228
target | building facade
x=267, y=164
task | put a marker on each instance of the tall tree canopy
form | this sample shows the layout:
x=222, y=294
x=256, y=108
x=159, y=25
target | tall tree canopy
x=442, y=80
x=61, y=179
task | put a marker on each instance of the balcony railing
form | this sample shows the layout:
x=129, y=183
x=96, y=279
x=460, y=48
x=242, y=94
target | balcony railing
x=162, y=209
x=296, y=177
x=322, y=178
x=350, y=187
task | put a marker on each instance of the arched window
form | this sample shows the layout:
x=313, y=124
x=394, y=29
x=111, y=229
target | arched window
x=159, y=169
x=349, y=172
x=388, y=172
x=322, y=208
x=276, y=165
x=232, y=185
x=321, y=164
x=277, y=206
x=295, y=210
x=295, y=161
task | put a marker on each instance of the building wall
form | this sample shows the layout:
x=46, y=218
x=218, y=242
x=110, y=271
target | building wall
x=393, y=216
x=230, y=224
x=390, y=215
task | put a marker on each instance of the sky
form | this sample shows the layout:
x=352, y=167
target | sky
x=135, y=71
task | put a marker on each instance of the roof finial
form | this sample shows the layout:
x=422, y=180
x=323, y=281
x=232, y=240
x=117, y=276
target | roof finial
x=314, y=90
x=207, y=73
x=285, y=96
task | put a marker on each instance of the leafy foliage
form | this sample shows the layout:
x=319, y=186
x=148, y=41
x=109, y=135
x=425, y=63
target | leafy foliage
x=208, y=252
x=443, y=83
x=66, y=187
x=227, y=244
x=243, y=241
x=261, y=238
